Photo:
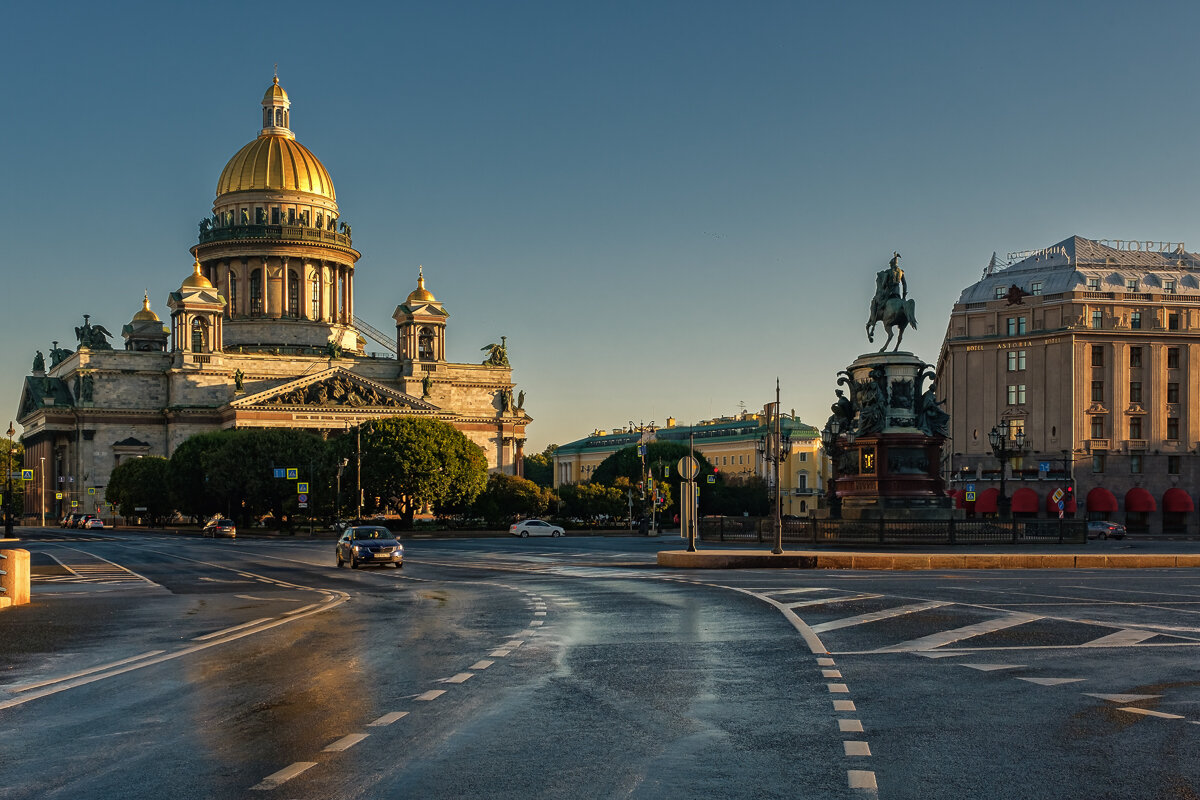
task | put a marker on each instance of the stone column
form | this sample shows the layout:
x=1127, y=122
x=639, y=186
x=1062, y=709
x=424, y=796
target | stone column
x=266, y=289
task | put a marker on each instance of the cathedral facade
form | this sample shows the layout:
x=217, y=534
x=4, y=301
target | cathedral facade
x=261, y=333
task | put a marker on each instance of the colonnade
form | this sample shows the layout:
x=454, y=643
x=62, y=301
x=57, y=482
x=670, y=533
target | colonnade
x=263, y=287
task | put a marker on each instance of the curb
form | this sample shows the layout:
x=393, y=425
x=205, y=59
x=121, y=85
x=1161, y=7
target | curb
x=757, y=559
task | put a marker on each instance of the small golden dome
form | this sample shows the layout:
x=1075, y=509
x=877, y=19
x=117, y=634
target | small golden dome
x=146, y=315
x=274, y=92
x=421, y=294
x=277, y=163
x=196, y=280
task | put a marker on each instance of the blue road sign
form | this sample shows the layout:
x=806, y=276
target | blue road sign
x=970, y=498
x=293, y=474
x=970, y=487
x=280, y=472
x=1061, y=505
x=1044, y=466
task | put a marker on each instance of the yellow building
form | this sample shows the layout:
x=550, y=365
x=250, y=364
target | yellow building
x=733, y=445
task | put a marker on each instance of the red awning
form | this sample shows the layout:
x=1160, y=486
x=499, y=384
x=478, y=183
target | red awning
x=986, y=501
x=1138, y=499
x=1025, y=500
x=1068, y=499
x=1101, y=499
x=1177, y=500
x=960, y=501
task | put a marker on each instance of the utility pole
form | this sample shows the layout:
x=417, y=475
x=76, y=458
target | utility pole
x=358, y=468
x=778, y=450
x=8, y=526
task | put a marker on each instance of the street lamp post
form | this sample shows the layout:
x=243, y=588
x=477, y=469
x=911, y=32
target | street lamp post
x=773, y=447
x=1000, y=437
x=42, y=489
x=8, y=525
x=831, y=439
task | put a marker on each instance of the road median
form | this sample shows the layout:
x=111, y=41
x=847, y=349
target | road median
x=809, y=559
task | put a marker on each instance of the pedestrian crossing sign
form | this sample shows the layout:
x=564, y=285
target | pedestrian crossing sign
x=301, y=488
x=91, y=490
x=58, y=495
x=970, y=498
x=26, y=474
x=74, y=504
x=293, y=474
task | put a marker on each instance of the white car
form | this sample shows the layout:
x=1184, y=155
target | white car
x=535, y=527
x=94, y=522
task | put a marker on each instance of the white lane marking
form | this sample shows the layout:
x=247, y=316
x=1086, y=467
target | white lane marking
x=514, y=644
x=526, y=632
x=102, y=558
x=958, y=634
x=844, y=705
x=850, y=725
x=831, y=673
x=481, y=665
x=1147, y=712
x=1122, y=638
x=536, y=623
x=1051, y=681
x=432, y=694
x=949, y=654
x=991, y=667
x=825, y=662
x=499, y=653
x=876, y=616
x=25, y=687
x=857, y=748
x=284, y=775
x=826, y=600
x=1123, y=698
x=302, y=609
x=461, y=677
x=214, y=635
x=838, y=688
x=387, y=719
x=770, y=591
x=345, y=743
x=861, y=779
x=265, y=599
x=539, y=613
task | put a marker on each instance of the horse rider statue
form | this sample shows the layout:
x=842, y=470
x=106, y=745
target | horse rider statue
x=891, y=305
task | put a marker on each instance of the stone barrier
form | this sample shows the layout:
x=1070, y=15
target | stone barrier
x=15, y=580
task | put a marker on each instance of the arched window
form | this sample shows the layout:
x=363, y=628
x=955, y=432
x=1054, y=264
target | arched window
x=425, y=344
x=256, y=297
x=198, y=335
x=231, y=309
x=314, y=297
x=293, y=306
x=279, y=117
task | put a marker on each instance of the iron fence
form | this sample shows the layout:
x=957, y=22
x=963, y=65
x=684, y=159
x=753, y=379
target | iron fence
x=896, y=532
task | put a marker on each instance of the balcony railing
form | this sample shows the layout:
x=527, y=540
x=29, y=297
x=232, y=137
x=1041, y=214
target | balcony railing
x=279, y=232
x=1136, y=444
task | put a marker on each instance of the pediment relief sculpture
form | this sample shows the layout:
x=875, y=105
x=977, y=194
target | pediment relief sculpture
x=336, y=391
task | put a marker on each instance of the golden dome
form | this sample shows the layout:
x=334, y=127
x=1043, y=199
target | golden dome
x=421, y=294
x=196, y=280
x=274, y=92
x=275, y=162
x=146, y=315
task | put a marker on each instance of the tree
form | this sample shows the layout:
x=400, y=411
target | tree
x=738, y=496
x=508, y=497
x=141, y=483
x=590, y=501
x=188, y=477
x=539, y=468
x=14, y=501
x=661, y=462
x=410, y=462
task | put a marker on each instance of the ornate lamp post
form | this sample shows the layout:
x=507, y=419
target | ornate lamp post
x=8, y=525
x=1005, y=445
x=831, y=439
x=773, y=448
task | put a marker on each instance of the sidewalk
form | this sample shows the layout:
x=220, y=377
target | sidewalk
x=1150, y=555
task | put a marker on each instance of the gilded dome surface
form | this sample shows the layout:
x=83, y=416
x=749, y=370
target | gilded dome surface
x=146, y=315
x=277, y=163
x=196, y=280
x=274, y=92
x=421, y=294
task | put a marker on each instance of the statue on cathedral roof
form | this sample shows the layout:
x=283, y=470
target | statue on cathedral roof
x=497, y=354
x=39, y=362
x=92, y=336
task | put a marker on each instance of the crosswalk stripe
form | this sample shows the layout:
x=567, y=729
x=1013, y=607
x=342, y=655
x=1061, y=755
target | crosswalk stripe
x=875, y=616
x=935, y=640
x=826, y=600
x=1122, y=638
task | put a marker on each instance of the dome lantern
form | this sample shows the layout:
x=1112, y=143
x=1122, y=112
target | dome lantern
x=276, y=111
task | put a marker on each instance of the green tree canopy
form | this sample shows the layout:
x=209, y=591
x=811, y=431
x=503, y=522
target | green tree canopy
x=410, y=462
x=590, y=501
x=190, y=491
x=539, y=467
x=508, y=497
x=661, y=460
x=141, y=483
x=14, y=458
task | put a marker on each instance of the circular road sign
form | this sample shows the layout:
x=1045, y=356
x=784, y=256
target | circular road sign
x=688, y=467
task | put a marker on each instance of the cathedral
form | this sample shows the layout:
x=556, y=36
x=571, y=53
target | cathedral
x=262, y=333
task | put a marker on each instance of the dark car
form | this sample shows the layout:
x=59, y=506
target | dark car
x=368, y=544
x=221, y=527
x=1103, y=529
x=81, y=520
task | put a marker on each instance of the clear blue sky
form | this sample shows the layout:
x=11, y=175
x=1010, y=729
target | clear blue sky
x=664, y=206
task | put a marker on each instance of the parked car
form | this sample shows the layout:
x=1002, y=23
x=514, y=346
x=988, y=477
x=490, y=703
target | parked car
x=535, y=527
x=81, y=520
x=220, y=527
x=368, y=544
x=69, y=520
x=1103, y=529
x=94, y=522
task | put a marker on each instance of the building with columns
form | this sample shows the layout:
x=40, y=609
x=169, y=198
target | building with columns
x=262, y=333
x=1092, y=350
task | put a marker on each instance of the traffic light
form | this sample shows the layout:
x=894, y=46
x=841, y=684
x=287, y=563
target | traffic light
x=1070, y=490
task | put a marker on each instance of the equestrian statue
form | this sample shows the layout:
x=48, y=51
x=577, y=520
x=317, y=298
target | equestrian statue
x=891, y=305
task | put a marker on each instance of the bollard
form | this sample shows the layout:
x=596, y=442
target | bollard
x=14, y=577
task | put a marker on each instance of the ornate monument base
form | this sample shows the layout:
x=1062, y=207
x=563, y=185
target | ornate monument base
x=889, y=466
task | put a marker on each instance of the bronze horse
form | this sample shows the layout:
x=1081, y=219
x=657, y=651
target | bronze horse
x=895, y=312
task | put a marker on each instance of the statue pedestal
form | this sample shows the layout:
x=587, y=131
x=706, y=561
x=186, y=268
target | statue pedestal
x=892, y=469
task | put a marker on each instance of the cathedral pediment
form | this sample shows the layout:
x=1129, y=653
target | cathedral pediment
x=333, y=388
x=41, y=391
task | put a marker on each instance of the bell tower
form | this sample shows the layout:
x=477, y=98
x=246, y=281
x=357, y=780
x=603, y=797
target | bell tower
x=197, y=311
x=420, y=327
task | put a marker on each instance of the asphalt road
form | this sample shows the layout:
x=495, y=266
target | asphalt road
x=170, y=666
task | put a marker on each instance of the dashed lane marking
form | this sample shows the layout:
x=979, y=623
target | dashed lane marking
x=991, y=667
x=1051, y=681
x=387, y=719
x=535, y=623
x=838, y=688
x=1148, y=713
x=861, y=779
x=850, y=725
x=461, y=677
x=499, y=653
x=481, y=665
x=876, y=616
x=1122, y=638
x=345, y=743
x=277, y=779
x=857, y=748
x=844, y=705
x=831, y=673
x=935, y=640
x=1123, y=698
x=432, y=694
